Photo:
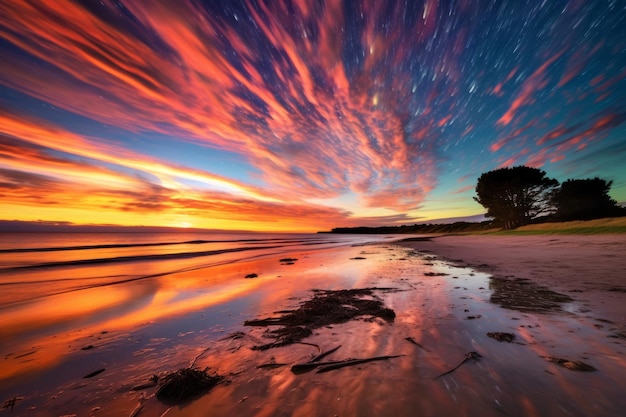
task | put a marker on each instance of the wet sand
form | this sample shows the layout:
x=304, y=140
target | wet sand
x=591, y=269
x=444, y=306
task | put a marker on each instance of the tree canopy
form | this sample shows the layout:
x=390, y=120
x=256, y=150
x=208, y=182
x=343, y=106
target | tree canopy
x=585, y=199
x=515, y=196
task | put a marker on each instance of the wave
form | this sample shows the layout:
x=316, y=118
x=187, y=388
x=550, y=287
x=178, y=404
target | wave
x=135, y=258
x=139, y=245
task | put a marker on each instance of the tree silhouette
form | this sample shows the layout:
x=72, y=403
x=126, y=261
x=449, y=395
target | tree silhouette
x=585, y=199
x=514, y=196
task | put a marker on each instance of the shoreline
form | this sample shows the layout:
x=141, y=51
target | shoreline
x=589, y=268
x=444, y=307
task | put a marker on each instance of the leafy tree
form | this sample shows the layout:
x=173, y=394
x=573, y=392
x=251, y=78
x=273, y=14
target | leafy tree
x=584, y=200
x=514, y=196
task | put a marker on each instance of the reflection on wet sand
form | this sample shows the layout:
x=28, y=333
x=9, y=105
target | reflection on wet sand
x=203, y=311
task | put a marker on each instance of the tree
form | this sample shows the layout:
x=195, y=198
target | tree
x=514, y=196
x=585, y=199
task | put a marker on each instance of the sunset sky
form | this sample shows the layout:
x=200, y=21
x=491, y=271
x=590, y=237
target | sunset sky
x=300, y=115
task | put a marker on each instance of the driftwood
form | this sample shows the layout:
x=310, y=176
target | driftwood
x=324, y=354
x=310, y=344
x=94, y=373
x=10, y=403
x=416, y=343
x=193, y=362
x=332, y=365
x=468, y=356
x=154, y=379
x=139, y=406
x=271, y=365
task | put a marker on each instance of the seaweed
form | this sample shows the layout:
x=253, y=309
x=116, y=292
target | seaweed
x=502, y=336
x=571, y=365
x=325, y=308
x=185, y=384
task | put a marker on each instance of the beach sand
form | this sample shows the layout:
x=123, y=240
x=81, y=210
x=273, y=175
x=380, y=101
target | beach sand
x=589, y=268
x=447, y=293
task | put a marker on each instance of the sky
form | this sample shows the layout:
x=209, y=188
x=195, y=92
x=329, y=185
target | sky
x=300, y=115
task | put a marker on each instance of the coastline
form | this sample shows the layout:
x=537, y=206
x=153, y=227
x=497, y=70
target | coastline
x=444, y=300
x=589, y=268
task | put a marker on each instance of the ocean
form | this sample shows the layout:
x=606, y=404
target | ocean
x=38, y=265
x=88, y=322
x=61, y=293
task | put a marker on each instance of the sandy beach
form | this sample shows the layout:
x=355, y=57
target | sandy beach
x=484, y=325
x=589, y=268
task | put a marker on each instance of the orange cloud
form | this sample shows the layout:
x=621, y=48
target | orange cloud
x=307, y=129
x=75, y=177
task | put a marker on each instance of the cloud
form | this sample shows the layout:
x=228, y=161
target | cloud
x=54, y=167
x=283, y=98
x=464, y=189
x=530, y=86
x=514, y=136
x=322, y=100
x=556, y=144
x=497, y=90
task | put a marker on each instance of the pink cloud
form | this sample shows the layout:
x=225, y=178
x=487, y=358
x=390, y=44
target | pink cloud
x=463, y=189
x=531, y=85
x=306, y=141
x=497, y=90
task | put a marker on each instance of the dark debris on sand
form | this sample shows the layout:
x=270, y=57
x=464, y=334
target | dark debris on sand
x=572, y=365
x=502, y=336
x=185, y=384
x=524, y=295
x=324, y=309
x=287, y=261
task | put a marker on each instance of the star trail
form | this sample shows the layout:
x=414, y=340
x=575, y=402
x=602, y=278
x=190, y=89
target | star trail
x=300, y=115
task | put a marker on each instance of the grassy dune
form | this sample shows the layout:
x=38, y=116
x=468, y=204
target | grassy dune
x=608, y=225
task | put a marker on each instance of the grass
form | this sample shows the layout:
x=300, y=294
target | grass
x=587, y=227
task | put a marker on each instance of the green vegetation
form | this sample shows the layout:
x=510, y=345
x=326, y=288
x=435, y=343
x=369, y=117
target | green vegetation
x=521, y=195
x=584, y=200
x=458, y=227
x=515, y=196
x=523, y=201
x=588, y=227
x=597, y=226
